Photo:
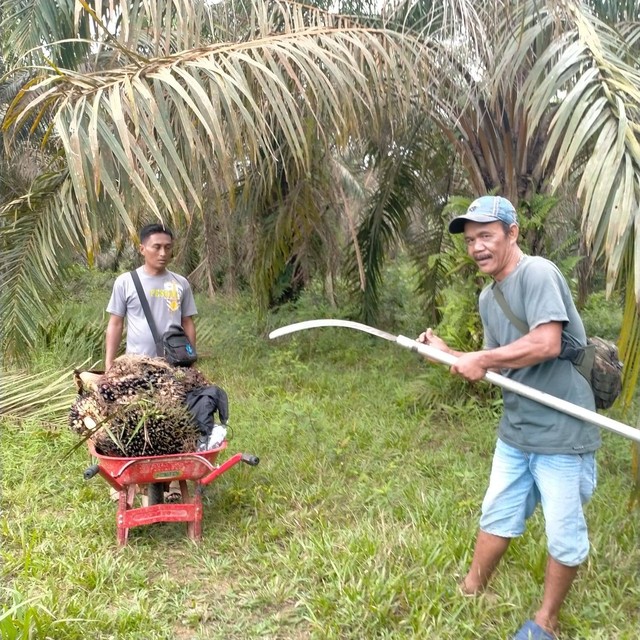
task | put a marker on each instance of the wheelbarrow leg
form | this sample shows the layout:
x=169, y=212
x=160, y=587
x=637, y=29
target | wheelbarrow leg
x=125, y=502
x=194, y=527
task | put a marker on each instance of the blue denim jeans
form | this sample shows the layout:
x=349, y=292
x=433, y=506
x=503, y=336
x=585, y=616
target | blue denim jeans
x=561, y=483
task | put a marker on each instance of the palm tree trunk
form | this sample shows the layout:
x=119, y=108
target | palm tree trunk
x=231, y=277
x=209, y=251
x=584, y=273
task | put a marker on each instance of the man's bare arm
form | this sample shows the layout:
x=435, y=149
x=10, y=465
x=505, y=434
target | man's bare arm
x=113, y=338
x=540, y=344
x=190, y=329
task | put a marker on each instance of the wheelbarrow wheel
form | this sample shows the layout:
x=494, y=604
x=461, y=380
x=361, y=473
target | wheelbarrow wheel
x=155, y=493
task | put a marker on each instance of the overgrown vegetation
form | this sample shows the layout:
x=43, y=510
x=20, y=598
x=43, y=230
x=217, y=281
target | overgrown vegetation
x=357, y=523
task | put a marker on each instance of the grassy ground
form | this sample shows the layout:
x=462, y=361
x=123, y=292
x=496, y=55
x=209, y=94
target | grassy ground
x=357, y=523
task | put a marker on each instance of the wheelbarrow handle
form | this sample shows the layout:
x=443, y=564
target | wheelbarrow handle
x=225, y=466
x=91, y=471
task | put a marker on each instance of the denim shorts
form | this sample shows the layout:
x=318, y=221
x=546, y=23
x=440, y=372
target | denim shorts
x=561, y=483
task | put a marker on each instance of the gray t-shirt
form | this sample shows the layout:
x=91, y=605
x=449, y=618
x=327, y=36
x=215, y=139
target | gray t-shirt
x=537, y=293
x=170, y=299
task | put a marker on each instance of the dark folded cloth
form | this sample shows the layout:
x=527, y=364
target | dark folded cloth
x=204, y=403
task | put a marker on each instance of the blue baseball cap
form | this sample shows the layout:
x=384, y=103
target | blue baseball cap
x=486, y=209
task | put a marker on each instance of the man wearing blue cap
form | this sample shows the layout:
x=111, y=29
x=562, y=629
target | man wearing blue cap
x=542, y=455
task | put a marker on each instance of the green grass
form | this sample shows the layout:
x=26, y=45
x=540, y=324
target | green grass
x=357, y=523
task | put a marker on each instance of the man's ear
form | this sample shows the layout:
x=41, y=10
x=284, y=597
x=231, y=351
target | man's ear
x=514, y=232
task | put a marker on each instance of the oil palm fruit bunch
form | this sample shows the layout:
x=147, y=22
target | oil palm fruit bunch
x=133, y=376
x=190, y=378
x=86, y=413
x=137, y=408
x=147, y=427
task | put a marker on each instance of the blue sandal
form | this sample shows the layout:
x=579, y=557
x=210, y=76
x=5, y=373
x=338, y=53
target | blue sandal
x=532, y=631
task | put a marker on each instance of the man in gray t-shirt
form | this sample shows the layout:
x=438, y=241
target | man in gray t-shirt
x=169, y=296
x=542, y=455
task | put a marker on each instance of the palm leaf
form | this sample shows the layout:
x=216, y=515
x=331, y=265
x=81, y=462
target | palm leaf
x=33, y=24
x=46, y=395
x=296, y=218
x=242, y=78
x=401, y=183
x=598, y=115
x=163, y=125
x=35, y=229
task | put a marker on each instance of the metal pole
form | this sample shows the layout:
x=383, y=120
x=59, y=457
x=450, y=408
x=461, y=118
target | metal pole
x=569, y=408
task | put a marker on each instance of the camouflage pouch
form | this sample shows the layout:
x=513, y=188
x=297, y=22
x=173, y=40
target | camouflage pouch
x=606, y=375
x=599, y=363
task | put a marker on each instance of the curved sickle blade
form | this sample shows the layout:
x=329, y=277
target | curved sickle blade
x=502, y=381
x=329, y=322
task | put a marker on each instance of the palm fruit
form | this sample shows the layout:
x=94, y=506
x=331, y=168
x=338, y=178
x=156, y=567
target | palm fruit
x=190, y=378
x=147, y=428
x=137, y=408
x=87, y=412
x=131, y=376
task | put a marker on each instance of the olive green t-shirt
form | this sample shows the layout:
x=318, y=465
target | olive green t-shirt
x=537, y=293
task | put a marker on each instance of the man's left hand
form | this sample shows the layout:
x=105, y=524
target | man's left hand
x=469, y=366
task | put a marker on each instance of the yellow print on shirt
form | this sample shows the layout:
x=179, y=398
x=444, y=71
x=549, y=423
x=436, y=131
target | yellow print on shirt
x=172, y=293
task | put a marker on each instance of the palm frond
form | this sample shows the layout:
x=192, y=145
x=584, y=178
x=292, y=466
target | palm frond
x=402, y=184
x=161, y=129
x=45, y=395
x=33, y=26
x=153, y=125
x=629, y=347
x=630, y=34
x=35, y=230
x=298, y=227
x=598, y=112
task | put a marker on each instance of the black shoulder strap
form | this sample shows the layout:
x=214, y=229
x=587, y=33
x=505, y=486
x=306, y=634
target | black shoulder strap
x=147, y=312
x=520, y=325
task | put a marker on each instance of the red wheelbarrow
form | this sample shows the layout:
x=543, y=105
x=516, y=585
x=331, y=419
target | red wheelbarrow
x=124, y=474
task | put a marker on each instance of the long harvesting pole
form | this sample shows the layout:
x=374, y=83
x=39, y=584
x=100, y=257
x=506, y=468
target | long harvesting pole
x=495, y=378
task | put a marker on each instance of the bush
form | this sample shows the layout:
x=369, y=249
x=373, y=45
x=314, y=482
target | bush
x=602, y=317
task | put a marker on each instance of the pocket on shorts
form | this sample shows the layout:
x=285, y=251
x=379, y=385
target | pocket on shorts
x=588, y=477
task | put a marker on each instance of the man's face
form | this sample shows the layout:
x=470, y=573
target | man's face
x=493, y=251
x=157, y=251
